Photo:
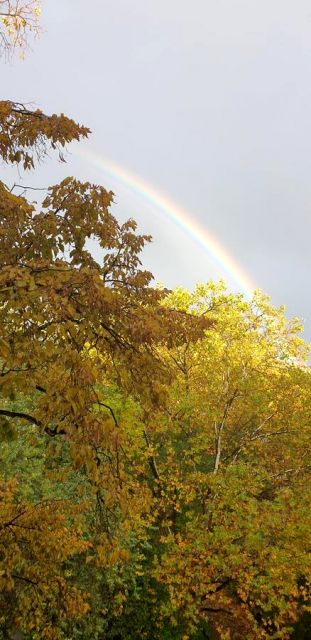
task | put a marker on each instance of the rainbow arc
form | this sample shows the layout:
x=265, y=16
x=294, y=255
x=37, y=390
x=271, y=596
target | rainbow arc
x=176, y=214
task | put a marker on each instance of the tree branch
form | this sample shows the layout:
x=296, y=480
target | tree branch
x=102, y=404
x=21, y=415
x=219, y=430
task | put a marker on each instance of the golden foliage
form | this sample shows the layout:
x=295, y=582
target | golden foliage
x=157, y=444
x=19, y=19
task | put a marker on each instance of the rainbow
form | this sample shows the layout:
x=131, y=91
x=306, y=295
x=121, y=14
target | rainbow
x=176, y=214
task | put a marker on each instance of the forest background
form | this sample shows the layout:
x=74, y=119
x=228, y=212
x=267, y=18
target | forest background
x=155, y=444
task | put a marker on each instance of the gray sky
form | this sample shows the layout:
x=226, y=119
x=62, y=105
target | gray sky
x=210, y=101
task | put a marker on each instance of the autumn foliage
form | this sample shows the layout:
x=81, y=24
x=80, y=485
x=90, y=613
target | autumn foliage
x=19, y=20
x=155, y=445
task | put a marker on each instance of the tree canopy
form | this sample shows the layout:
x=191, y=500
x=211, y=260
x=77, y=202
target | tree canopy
x=155, y=444
x=73, y=331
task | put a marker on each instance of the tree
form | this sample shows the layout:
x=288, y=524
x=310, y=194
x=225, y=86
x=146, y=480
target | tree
x=232, y=456
x=72, y=331
x=18, y=20
x=48, y=282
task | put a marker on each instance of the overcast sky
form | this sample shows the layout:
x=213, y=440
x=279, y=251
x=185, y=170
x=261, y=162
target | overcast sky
x=209, y=101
